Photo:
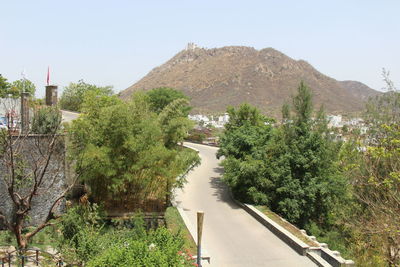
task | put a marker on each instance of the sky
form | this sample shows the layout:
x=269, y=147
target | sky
x=118, y=42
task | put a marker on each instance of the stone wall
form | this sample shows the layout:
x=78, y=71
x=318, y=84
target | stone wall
x=33, y=150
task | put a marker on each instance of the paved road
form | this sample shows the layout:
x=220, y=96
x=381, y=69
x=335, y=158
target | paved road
x=68, y=116
x=231, y=236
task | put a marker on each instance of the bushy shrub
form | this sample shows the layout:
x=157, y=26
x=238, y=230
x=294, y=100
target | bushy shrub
x=87, y=240
x=157, y=248
x=46, y=120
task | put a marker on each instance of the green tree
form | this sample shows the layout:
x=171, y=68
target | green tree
x=15, y=88
x=4, y=87
x=121, y=151
x=161, y=97
x=174, y=122
x=242, y=143
x=46, y=120
x=22, y=85
x=303, y=163
x=73, y=95
x=292, y=168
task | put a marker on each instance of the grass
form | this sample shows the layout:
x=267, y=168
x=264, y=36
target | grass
x=285, y=224
x=176, y=225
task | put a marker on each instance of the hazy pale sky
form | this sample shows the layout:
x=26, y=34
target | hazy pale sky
x=118, y=42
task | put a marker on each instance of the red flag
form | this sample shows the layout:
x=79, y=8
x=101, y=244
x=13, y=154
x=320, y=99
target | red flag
x=48, y=75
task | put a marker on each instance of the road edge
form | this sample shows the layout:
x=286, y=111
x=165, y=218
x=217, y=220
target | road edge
x=322, y=256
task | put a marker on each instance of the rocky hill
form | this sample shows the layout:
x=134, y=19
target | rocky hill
x=216, y=78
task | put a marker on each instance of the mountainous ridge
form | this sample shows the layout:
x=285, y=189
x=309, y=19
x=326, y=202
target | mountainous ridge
x=218, y=77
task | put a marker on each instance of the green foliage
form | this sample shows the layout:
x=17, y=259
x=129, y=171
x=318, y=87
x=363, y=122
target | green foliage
x=372, y=164
x=177, y=226
x=293, y=169
x=15, y=88
x=86, y=240
x=125, y=151
x=82, y=235
x=4, y=87
x=338, y=238
x=247, y=133
x=23, y=85
x=196, y=136
x=46, y=120
x=246, y=130
x=303, y=163
x=74, y=94
x=161, y=97
x=6, y=238
x=174, y=122
x=245, y=115
x=157, y=248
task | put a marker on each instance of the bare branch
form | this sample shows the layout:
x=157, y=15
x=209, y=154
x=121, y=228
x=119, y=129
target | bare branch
x=50, y=213
x=37, y=230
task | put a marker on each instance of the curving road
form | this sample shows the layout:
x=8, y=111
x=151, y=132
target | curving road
x=230, y=236
x=68, y=116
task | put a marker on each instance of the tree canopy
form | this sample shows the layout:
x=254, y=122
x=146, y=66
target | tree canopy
x=161, y=97
x=73, y=95
x=290, y=168
x=4, y=86
x=15, y=88
x=128, y=153
x=23, y=85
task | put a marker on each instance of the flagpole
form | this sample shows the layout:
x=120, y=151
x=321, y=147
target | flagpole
x=48, y=76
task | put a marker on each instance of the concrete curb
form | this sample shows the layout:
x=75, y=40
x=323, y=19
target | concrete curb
x=293, y=242
x=317, y=259
x=322, y=256
x=192, y=148
x=194, y=142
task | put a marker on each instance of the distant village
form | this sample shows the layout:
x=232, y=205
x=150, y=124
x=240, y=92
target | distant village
x=341, y=128
x=214, y=121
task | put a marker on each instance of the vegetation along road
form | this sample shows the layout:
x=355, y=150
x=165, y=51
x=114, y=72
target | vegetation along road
x=231, y=236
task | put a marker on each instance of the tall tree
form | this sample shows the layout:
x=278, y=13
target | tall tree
x=73, y=95
x=4, y=86
x=23, y=85
x=242, y=144
x=124, y=156
x=15, y=88
x=161, y=97
x=174, y=122
x=308, y=182
x=292, y=168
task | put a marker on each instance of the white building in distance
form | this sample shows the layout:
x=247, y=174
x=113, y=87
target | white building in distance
x=217, y=122
x=335, y=121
